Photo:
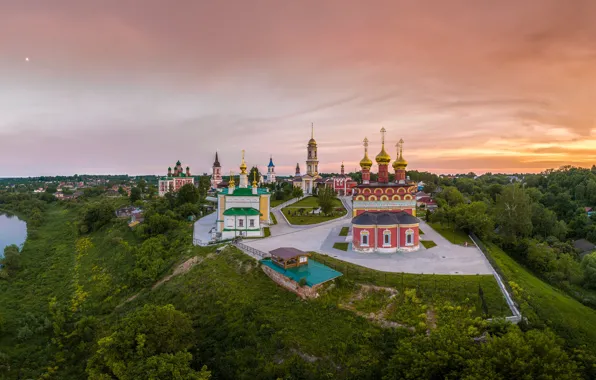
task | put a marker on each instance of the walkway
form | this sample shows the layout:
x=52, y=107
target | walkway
x=445, y=258
x=201, y=232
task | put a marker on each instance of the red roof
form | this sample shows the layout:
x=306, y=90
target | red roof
x=426, y=200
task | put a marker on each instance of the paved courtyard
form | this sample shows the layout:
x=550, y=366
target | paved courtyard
x=445, y=258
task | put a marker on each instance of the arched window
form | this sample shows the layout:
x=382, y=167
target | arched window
x=384, y=198
x=410, y=237
x=364, y=238
x=387, y=238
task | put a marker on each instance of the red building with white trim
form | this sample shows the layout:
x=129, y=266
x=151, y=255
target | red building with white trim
x=342, y=184
x=384, y=213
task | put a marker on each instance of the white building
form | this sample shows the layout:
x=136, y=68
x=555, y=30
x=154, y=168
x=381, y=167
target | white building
x=308, y=181
x=242, y=211
x=271, y=171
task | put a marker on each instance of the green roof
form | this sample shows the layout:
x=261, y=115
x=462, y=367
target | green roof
x=244, y=211
x=244, y=191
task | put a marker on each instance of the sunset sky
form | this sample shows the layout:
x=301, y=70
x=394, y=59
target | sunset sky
x=132, y=86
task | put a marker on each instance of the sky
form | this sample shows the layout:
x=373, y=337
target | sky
x=133, y=86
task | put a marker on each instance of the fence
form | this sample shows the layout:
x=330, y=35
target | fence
x=499, y=277
x=253, y=252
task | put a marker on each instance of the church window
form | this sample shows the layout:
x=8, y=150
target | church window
x=241, y=223
x=409, y=237
x=364, y=238
x=387, y=238
x=251, y=222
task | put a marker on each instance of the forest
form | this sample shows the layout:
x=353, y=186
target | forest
x=89, y=297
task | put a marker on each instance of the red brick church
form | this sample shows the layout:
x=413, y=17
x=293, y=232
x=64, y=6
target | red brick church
x=384, y=213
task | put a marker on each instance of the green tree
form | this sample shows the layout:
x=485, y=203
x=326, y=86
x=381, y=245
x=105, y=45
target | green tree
x=254, y=174
x=96, y=215
x=188, y=194
x=12, y=258
x=135, y=194
x=513, y=212
x=151, y=191
x=430, y=187
x=474, y=217
x=297, y=192
x=589, y=268
x=326, y=199
x=517, y=355
x=142, y=185
x=150, y=343
x=121, y=191
x=452, y=196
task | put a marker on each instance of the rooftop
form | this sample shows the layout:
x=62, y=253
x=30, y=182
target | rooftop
x=244, y=191
x=241, y=211
x=314, y=272
x=384, y=218
x=389, y=184
x=287, y=252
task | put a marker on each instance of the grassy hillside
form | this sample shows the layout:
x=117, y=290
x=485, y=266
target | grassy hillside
x=544, y=304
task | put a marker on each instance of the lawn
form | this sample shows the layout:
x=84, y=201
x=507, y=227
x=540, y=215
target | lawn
x=344, y=231
x=277, y=202
x=273, y=219
x=307, y=205
x=420, y=232
x=429, y=287
x=341, y=246
x=544, y=304
x=452, y=234
x=428, y=243
x=266, y=232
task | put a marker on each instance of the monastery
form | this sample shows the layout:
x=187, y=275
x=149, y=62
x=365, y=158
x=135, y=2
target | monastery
x=174, y=181
x=384, y=213
x=242, y=210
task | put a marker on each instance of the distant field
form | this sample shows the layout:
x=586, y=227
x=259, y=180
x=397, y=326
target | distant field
x=451, y=233
x=542, y=303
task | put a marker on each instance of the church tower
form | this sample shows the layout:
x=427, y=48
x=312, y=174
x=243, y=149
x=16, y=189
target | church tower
x=400, y=164
x=312, y=162
x=216, y=175
x=271, y=171
x=243, y=175
x=383, y=159
x=365, y=164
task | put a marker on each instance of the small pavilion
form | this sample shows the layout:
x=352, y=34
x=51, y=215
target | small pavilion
x=287, y=257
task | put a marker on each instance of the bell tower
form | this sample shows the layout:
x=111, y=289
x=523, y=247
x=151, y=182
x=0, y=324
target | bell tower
x=312, y=161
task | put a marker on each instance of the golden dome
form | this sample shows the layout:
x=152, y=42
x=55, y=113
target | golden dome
x=243, y=165
x=312, y=142
x=383, y=157
x=400, y=162
x=366, y=162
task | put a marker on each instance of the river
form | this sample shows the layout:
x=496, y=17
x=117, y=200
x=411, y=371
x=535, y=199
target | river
x=12, y=231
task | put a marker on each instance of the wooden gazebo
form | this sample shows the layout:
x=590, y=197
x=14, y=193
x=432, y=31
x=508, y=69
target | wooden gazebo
x=287, y=257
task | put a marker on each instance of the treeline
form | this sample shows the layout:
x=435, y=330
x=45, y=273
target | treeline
x=534, y=217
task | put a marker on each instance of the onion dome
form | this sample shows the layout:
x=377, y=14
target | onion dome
x=243, y=165
x=400, y=162
x=366, y=162
x=383, y=158
x=271, y=162
x=231, y=182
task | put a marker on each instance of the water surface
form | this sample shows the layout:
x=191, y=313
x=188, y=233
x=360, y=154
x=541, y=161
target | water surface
x=12, y=231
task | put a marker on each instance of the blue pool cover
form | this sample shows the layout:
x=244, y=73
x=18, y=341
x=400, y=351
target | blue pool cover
x=314, y=272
